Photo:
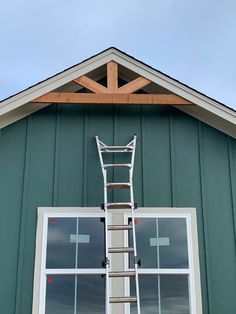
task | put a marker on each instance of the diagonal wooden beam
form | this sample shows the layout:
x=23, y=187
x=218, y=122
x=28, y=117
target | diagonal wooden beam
x=90, y=84
x=112, y=77
x=134, y=85
x=129, y=99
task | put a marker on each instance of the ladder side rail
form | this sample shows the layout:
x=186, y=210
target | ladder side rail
x=135, y=261
x=104, y=173
x=100, y=157
x=107, y=260
x=132, y=159
x=133, y=223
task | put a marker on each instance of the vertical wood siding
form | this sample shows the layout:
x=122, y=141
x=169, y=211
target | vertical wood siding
x=50, y=159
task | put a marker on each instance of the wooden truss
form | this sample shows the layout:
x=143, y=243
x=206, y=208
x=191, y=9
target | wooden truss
x=112, y=94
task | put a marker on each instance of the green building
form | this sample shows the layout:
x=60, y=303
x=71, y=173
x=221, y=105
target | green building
x=52, y=237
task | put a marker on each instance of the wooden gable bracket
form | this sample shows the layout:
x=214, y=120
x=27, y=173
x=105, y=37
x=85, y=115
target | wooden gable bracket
x=112, y=94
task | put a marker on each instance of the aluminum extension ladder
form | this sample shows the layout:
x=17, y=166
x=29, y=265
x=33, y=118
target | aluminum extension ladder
x=104, y=149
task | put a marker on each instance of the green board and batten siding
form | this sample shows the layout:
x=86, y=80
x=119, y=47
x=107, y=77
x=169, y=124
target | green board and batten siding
x=50, y=159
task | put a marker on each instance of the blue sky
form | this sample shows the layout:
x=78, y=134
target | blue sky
x=193, y=41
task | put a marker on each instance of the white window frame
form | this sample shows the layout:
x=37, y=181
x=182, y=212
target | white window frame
x=39, y=291
x=40, y=271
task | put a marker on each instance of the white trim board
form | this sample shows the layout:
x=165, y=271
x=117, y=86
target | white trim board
x=205, y=109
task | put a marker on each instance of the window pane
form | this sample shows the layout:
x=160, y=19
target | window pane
x=60, y=294
x=145, y=229
x=66, y=236
x=91, y=294
x=162, y=294
x=60, y=250
x=174, y=255
x=162, y=242
x=148, y=294
x=91, y=248
x=88, y=289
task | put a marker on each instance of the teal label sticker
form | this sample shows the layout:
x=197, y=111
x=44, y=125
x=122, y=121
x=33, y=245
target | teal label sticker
x=79, y=238
x=159, y=241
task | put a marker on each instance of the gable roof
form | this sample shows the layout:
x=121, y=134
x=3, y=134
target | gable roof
x=204, y=108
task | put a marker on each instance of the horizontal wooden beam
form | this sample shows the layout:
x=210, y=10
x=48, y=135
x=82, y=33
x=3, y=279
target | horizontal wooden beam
x=134, y=85
x=93, y=86
x=129, y=99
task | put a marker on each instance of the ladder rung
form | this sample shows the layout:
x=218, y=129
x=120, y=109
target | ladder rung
x=122, y=299
x=117, y=186
x=119, y=227
x=116, y=149
x=122, y=274
x=119, y=205
x=116, y=165
x=120, y=250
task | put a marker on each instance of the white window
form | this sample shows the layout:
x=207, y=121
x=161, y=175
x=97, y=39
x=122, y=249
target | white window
x=69, y=275
x=169, y=270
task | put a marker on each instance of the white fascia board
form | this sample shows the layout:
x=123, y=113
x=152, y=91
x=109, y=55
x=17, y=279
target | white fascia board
x=175, y=87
